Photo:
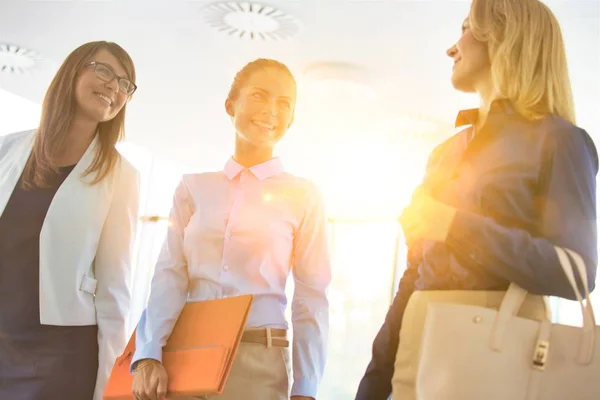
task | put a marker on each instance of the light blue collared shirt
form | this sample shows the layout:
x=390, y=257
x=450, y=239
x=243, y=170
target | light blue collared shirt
x=241, y=231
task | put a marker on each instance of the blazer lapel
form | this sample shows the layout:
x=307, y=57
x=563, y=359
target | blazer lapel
x=14, y=153
x=75, y=184
x=72, y=225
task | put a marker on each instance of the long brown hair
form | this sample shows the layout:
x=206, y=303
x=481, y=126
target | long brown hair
x=58, y=111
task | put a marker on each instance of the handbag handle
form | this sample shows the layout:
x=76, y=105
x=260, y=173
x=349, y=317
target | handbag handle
x=586, y=349
x=586, y=310
x=515, y=296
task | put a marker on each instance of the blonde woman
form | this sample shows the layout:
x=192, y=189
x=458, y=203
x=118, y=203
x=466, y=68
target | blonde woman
x=68, y=212
x=245, y=230
x=496, y=198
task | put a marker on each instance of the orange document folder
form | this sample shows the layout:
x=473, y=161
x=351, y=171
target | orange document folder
x=199, y=353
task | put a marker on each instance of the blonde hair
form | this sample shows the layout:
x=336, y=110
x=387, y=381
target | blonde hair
x=58, y=110
x=527, y=53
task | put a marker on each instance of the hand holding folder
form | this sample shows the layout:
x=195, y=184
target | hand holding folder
x=199, y=353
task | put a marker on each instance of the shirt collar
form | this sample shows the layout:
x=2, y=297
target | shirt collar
x=261, y=171
x=470, y=116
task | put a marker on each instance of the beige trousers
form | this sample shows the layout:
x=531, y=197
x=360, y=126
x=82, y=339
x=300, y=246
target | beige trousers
x=407, y=356
x=258, y=372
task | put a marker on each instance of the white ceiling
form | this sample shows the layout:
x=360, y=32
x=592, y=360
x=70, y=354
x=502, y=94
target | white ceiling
x=185, y=69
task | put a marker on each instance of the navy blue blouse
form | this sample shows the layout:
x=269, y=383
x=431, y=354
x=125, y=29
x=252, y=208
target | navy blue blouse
x=37, y=361
x=521, y=187
x=20, y=227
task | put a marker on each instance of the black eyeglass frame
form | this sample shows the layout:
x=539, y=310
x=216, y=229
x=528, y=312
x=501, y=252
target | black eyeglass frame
x=94, y=64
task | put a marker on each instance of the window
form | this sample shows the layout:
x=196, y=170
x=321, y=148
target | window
x=158, y=179
x=363, y=263
x=23, y=114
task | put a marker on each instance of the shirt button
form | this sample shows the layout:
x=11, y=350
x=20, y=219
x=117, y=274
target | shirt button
x=225, y=267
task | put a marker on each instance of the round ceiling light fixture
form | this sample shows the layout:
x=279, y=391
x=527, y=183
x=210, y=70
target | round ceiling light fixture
x=17, y=59
x=250, y=20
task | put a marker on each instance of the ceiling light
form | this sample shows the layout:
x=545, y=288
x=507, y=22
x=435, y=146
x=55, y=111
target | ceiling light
x=249, y=20
x=16, y=59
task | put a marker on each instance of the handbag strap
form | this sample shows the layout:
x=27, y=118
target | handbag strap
x=586, y=349
x=515, y=296
x=580, y=264
x=567, y=266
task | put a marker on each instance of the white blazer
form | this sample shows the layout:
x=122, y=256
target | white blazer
x=86, y=246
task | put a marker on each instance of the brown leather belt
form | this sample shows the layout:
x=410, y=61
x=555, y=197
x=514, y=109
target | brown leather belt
x=261, y=336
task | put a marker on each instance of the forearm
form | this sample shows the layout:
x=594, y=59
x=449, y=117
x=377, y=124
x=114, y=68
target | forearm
x=310, y=317
x=516, y=256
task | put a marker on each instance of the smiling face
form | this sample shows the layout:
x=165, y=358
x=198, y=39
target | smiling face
x=472, y=66
x=96, y=99
x=263, y=107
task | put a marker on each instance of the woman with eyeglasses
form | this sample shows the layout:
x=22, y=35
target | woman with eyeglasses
x=245, y=230
x=68, y=212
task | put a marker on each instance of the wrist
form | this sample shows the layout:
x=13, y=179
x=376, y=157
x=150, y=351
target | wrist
x=143, y=363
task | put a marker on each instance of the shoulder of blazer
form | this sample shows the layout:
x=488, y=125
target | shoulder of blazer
x=16, y=138
x=126, y=171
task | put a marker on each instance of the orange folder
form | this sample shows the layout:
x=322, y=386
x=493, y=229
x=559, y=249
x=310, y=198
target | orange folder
x=199, y=353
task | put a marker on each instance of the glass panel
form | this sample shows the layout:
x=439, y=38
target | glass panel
x=23, y=115
x=158, y=179
x=363, y=262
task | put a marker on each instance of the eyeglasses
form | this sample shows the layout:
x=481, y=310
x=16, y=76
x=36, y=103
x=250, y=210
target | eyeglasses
x=106, y=73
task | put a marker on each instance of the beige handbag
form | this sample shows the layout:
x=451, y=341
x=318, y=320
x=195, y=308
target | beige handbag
x=478, y=353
